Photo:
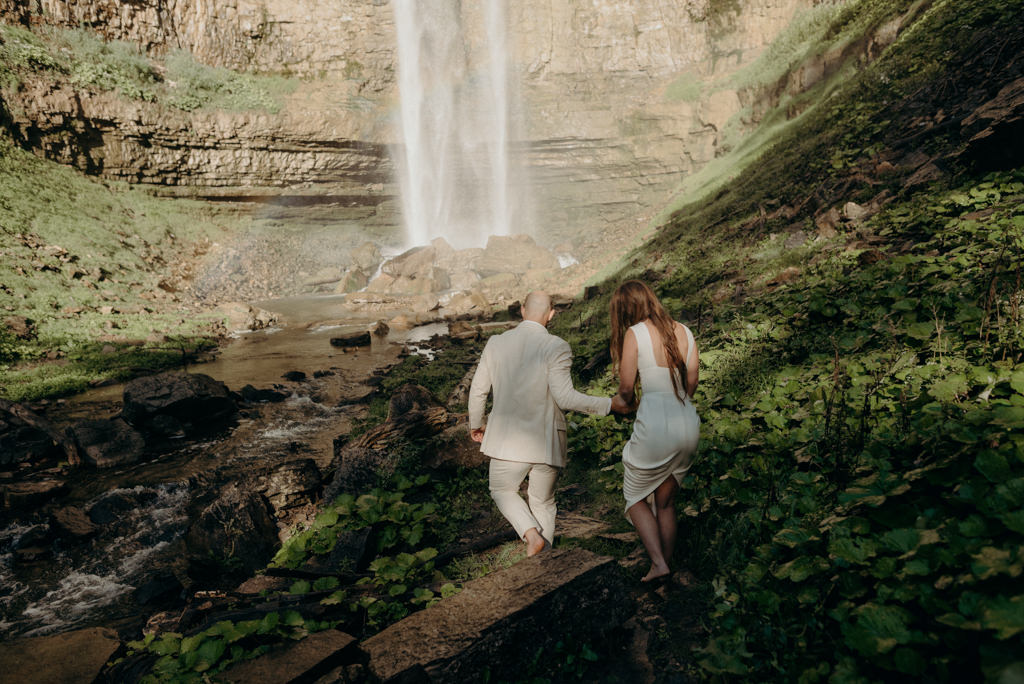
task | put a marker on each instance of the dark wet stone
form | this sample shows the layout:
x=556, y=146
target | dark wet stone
x=322, y=373
x=171, y=402
x=72, y=521
x=233, y=533
x=256, y=395
x=160, y=588
x=498, y=622
x=34, y=493
x=303, y=661
x=69, y=657
x=356, y=339
x=117, y=504
x=294, y=376
x=107, y=443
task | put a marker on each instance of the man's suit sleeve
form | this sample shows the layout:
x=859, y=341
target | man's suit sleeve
x=478, y=390
x=560, y=384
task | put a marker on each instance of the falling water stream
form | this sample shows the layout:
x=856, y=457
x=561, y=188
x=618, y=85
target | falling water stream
x=455, y=170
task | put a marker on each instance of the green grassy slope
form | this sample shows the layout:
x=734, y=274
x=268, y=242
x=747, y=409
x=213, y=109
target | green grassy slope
x=84, y=261
x=857, y=512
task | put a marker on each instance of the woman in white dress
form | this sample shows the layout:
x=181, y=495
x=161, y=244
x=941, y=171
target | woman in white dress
x=667, y=428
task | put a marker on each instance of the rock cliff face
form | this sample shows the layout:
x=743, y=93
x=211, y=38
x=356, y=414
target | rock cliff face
x=603, y=141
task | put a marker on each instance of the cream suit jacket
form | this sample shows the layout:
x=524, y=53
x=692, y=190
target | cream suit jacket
x=528, y=369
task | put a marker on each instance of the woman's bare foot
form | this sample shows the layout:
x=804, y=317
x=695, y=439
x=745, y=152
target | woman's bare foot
x=535, y=543
x=658, y=571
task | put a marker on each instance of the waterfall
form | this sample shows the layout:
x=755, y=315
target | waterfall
x=453, y=165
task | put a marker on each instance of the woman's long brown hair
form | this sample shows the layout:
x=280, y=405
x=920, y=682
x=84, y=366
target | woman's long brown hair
x=633, y=302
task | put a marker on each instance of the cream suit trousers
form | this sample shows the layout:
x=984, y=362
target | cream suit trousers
x=505, y=478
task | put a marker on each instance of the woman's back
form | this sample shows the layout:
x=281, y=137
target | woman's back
x=652, y=359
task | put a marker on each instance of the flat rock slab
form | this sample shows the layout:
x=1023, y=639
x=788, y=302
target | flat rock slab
x=69, y=658
x=303, y=661
x=498, y=622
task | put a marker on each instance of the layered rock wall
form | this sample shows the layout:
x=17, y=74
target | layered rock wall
x=602, y=137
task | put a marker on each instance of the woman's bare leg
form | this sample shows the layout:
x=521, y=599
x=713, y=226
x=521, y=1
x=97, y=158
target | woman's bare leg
x=647, y=527
x=665, y=501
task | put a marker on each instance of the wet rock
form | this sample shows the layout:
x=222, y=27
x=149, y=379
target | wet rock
x=302, y=661
x=26, y=437
x=234, y=532
x=193, y=401
x=352, y=551
x=69, y=657
x=354, y=339
x=21, y=327
x=358, y=464
x=381, y=329
x=498, y=622
x=294, y=376
x=17, y=495
x=261, y=583
x=855, y=212
x=352, y=280
x=72, y=521
x=162, y=587
x=107, y=443
x=35, y=536
x=293, y=484
x=253, y=395
x=118, y=503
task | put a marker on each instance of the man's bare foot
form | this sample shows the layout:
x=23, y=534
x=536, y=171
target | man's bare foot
x=657, y=572
x=535, y=543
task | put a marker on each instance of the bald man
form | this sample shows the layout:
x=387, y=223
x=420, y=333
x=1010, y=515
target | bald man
x=528, y=370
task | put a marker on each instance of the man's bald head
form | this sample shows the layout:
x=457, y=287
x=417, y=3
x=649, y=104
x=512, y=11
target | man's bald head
x=537, y=307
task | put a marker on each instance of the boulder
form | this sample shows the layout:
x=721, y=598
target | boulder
x=366, y=257
x=253, y=395
x=294, y=376
x=160, y=588
x=26, y=437
x=115, y=504
x=352, y=281
x=190, y=402
x=498, y=622
x=235, y=530
x=415, y=263
x=353, y=339
x=302, y=661
x=359, y=463
x=72, y=521
x=293, y=484
x=77, y=656
x=827, y=222
x=30, y=494
x=513, y=254
x=107, y=443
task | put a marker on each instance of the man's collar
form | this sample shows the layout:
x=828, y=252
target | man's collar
x=529, y=322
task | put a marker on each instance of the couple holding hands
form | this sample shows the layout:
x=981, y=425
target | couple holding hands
x=528, y=371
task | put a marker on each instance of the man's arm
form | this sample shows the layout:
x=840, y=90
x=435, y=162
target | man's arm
x=560, y=385
x=478, y=391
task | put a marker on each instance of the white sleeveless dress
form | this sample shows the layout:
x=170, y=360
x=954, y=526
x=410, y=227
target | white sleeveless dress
x=666, y=430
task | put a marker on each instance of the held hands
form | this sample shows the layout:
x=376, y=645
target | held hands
x=619, y=405
x=477, y=434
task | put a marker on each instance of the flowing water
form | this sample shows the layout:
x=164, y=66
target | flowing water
x=456, y=100
x=142, y=510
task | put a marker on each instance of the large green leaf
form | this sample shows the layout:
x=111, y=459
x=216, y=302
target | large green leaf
x=878, y=629
x=1005, y=615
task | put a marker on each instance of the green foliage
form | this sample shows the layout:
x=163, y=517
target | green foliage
x=195, y=658
x=89, y=62
x=88, y=246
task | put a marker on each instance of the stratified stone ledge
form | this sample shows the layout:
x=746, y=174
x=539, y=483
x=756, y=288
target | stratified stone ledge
x=303, y=661
x=61, y=658
x=497, y=623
